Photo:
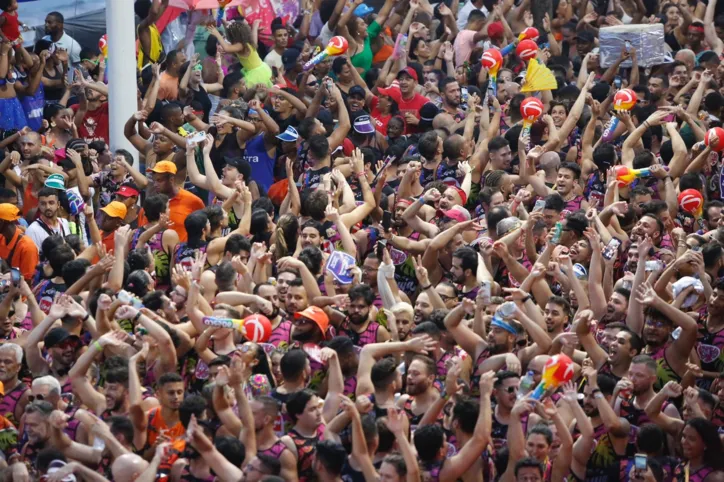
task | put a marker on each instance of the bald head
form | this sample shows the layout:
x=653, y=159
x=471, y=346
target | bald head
x=453, y=146
x=688, y=57
x=550, y=162
x=538, y=363
x=128, y=467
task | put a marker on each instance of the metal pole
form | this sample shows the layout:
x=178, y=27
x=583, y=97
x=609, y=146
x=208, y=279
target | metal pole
x=121, y=29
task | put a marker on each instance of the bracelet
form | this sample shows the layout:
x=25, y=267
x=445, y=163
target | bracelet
x=135, y=318
x=85, y=318
x=360, y=174
x=425, y=288
x=421, y=200
x=97, y=345
x=598, y=394
x=596, y=390
x=526, y=299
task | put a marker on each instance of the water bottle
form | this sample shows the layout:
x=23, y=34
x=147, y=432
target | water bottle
x=507, y=309
x=127, y=297
x=526, y=385
x=223, y=322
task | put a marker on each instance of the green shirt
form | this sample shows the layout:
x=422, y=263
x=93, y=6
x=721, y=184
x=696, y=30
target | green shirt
x=363, y=59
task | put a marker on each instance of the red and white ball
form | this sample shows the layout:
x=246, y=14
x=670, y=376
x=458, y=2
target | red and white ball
x=714, y=138
x=491, y=58
x=691, y=200
x=625, y=99
x=530, y=33
x=258, y=328
x=337, y=45
x=526, y=50
x=531, y=108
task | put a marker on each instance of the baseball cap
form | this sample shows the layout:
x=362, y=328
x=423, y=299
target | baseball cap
x=363, y=10
x=409, y=71
x=165, y=167
x=317, y=315
x=240, y=164
x=495, y=30
x=585, y=36
x=325, y=117
x=506, y=225
x=289, y=135
x=347, y=147
x=8, y=212
x=55, y=181
x=289, y=58
x=363, y=125
x=427, y=115
x=457, y=213
x=393, y=92
x=357, y=90
x=127, y=191
x=115, y=209
x=58, y=335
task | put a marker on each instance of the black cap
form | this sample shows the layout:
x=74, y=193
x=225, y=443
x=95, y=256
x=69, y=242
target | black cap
x=289, y=58
x=56, y=336
x=585, y=36
x=357, y=90
x=241, y=165
x=325, y=117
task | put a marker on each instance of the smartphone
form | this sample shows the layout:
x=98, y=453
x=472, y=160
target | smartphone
x=640, y=462
x=15, y=277
x=617, y=82
x=654, y=265
x=539, y=205
x=386, y=221
x=611, y=248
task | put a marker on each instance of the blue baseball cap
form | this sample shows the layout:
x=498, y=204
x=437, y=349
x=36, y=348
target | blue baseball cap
x=289, y=135
x=363, y=10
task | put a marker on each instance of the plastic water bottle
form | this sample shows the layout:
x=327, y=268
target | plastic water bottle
x=526, y=385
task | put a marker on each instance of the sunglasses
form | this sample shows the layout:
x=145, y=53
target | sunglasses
x=655, y=324
x=512, y=389
x=32, y=398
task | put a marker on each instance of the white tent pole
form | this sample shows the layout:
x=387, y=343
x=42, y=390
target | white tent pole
x=120, y=22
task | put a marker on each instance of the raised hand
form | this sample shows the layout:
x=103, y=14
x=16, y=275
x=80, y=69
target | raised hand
x=421, y=344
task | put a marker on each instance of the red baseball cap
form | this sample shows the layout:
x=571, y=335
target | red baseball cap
x=127, y=191
x=409, y=71
x=495, y=30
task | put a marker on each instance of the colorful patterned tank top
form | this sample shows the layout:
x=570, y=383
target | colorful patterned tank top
x=664, y=372
x=305, y=453
x=161, y=259
x=10, y=401
x=281, y=334
x=274, y=451
x=368, y=336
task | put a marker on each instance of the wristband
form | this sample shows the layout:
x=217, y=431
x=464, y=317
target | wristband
x=135, y=318
x=97, y=345
x=425, y=288
x=595, y=391
x=421, y=200
x=360, y=175
x=526, y=299
x=85, y=318
x=598, y=395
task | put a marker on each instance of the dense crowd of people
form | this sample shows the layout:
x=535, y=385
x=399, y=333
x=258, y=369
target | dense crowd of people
x=360, y=269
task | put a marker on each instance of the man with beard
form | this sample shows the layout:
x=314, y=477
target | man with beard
x=15, y=392
x=162, y=421
x=442, y=211
x=114, y=400
x=58, y=342
x=420, y=389
x=615, y=308
x=48, y=222
x=505, y=391
x=636, y=391
x=661, y=319
x=500, y=155
x=558, y=315
x=55, y=29
x=451, y=115
x=37, y=428
x=423, y=308
x=265, y=411
x=359, y=326
x=464, y=272
x=658, y=86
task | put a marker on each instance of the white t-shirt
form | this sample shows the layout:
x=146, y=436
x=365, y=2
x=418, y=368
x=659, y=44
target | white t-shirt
x=273, y=59
x=68, y=43
x=464, y=13
x=38, y=233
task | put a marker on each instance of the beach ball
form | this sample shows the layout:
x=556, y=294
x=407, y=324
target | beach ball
x=624, y=99
x=719, y=133
x=526, y=50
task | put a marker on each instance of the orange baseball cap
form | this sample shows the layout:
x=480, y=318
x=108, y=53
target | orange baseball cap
x=8, y=212
x=115, y=209
x=317, y=315
x=164, y=167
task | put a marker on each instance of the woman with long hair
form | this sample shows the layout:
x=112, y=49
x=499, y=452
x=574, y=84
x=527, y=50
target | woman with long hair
x=285, y=236
x=242, y=43
x=702, y=450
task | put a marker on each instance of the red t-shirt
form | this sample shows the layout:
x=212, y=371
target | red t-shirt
x=95, y=124
x=380, y=120
x=413, y=105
